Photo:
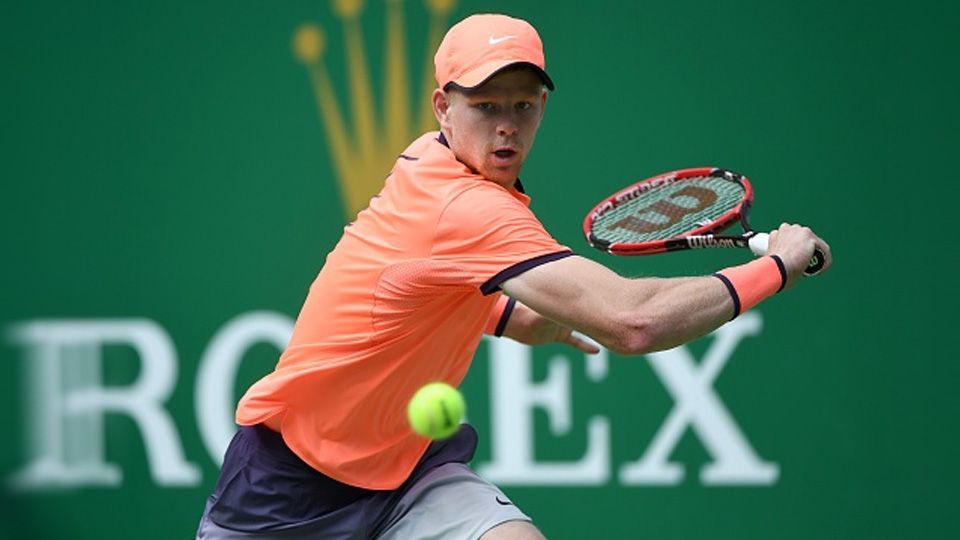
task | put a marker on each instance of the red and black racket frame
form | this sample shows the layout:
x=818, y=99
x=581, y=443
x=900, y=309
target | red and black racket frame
x=701, y=237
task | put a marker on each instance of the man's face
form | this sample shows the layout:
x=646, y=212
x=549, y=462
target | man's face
x=491, y=128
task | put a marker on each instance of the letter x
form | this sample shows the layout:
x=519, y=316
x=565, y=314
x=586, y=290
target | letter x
x=697, y=405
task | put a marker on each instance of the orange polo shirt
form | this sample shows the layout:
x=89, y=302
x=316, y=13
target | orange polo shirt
x=402, y=301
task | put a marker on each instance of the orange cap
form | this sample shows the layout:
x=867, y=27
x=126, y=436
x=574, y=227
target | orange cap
x=479, y=46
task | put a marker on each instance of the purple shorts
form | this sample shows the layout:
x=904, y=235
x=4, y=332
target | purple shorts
x=266, y=490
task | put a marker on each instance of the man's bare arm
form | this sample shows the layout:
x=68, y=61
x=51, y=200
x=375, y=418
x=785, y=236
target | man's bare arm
x=635, y=316
x=627, y=316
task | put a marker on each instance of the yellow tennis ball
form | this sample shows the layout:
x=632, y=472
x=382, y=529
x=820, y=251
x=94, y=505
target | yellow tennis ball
x=436, y=410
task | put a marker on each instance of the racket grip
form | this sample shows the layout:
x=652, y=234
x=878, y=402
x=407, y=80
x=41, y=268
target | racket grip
x=760, y=242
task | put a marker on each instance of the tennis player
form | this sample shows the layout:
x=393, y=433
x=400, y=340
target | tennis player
x=446, y=251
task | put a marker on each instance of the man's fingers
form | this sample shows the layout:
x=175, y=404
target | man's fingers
x=796, y=244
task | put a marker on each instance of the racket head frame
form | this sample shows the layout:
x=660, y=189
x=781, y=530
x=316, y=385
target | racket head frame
x=699, y=237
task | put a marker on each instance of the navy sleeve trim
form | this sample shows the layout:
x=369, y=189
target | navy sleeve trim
x=504, y=317
x=733, y=294
x=783, y=271
x=492, y=285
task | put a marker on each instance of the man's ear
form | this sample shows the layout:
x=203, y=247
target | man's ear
x=441, y=104
x=543, y=101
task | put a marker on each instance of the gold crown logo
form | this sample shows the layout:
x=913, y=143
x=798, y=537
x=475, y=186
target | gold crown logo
x=363, y=155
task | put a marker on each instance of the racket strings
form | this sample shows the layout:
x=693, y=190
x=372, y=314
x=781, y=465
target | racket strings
x=668, y=211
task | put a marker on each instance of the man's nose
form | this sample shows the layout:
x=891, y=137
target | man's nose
x=506, y=126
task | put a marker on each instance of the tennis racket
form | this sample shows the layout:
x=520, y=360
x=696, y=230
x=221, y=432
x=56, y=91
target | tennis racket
x=679, y=210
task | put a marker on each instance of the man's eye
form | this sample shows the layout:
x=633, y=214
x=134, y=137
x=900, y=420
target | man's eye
x=524, y=105
x=486, y=106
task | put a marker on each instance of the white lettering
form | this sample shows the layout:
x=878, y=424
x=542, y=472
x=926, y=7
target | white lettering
x=697, y=405
x=67, y=401
x=215, y=404
x=513, y=398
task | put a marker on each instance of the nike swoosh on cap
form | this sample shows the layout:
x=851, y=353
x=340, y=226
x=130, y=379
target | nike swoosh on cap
x=495, y=40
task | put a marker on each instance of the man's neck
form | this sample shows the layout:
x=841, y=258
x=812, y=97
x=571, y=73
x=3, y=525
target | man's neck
x=442, y=139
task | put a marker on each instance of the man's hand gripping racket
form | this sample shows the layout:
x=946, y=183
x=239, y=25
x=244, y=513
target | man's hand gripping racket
x=680, y=210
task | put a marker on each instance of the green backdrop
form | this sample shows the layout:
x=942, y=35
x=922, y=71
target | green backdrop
x=168, y=179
